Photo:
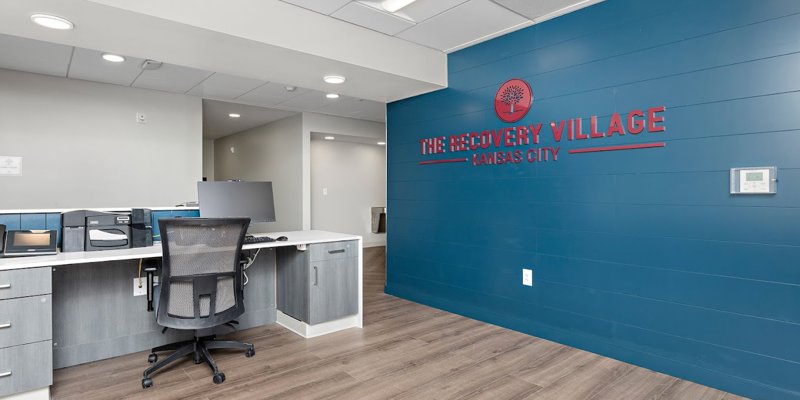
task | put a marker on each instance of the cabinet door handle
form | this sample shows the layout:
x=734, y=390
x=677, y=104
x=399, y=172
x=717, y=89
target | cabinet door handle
x=4, y=326
x=5, y=286
x=335, y=251
x=5, y=374
x=316, y=276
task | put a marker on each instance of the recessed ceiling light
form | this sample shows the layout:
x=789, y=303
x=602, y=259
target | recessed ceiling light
x=234, y=115
x=52, y=22
x=334, y=79
x=329, y=138
x=381, y=143
x=332, y=96
x=113, y=58
x=395, y=5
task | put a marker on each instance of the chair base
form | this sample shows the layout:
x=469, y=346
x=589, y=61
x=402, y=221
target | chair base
x=198, y=349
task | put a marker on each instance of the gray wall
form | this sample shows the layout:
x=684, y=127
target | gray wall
x=355, y=177
x=82, y=146
x=208, y=159
x=271, y=152
x=319, y=123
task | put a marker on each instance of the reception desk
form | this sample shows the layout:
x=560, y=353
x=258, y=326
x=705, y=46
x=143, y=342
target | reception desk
x=72, y=308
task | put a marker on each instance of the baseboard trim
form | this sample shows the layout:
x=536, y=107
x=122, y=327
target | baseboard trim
x=309, y=331
x=37, y=394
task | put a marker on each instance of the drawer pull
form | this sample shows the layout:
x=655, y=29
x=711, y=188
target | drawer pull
x=4, y=326
x=316, y=276
x=335, y=251
x=5, y=374
x=5, y=286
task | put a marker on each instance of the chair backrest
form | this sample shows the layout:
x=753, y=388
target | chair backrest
x=201, y=276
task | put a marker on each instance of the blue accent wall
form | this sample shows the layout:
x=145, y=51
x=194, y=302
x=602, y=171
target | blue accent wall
x=640, y=255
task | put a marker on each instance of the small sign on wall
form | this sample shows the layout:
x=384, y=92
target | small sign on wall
x=10, y=166
x=753, y=180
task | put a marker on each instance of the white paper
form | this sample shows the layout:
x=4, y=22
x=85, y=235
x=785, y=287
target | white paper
x=97, y=234
x=10, y=165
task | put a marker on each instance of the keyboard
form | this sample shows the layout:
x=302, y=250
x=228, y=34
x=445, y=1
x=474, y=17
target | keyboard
x=250, y=239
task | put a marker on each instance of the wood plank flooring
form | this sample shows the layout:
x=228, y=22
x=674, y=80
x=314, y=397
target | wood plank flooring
x=405, y=351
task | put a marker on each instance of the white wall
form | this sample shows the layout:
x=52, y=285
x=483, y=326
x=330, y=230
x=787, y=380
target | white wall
x=355, y=177
x=320, y=123
x=208, y=159
x=82, y=146
x=272, y=152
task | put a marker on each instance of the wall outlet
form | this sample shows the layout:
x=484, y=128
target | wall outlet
x=140, y=291
x=141, y=118
x=324, y=191
x=527, y=277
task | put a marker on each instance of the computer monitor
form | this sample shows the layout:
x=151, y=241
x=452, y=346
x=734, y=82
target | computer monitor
x=221, y=199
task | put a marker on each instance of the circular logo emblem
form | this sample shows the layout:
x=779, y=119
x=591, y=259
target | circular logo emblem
x=513, y=100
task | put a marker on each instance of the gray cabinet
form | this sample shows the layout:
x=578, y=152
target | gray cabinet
x=25, y=282
x=26, y=320
x=319, y=284
x=27, y=367
x=26, y=330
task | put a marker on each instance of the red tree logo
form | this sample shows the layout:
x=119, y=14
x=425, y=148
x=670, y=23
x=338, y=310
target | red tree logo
x=513, y=100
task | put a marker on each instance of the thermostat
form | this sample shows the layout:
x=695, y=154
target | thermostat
x=754, y=180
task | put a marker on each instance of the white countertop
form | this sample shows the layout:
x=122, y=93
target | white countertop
x=83, y=257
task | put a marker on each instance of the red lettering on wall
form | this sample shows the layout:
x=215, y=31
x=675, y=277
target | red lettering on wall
x=652, y=119
x=593, y=128
x=509, y=138
x=535, y=131
x=497, y=137
x=635, y=126
x=558, y=131
x=615, y=125
x=432, y=145
x=522, y=135
x=579, y=129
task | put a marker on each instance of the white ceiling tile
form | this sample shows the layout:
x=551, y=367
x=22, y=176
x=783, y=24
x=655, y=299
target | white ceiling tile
x=270, y=94
x=224, y=87
x=470, y=21
x=89, y=65
x=34, y=56
x=542, y=10
x=217, y=123
x=422, y=10
x=171, y=78
x=372, y=18
x=321, y=6
x=349, y=106
x=369, y=110
x=311, y=100
x=342, y=106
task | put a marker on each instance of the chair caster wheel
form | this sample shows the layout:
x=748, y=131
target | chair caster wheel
x=152, y=358
x=250, y=352
x=146, y=383
x=219, y=378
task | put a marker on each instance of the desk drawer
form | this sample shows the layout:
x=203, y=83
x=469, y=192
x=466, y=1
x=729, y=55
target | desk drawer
x=25, y=320
x=24, y=368
x=333, y=250
x=25, y=282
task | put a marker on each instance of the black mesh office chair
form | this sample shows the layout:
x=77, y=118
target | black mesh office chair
x=201, y=287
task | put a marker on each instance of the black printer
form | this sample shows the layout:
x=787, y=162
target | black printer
x=86, y=230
